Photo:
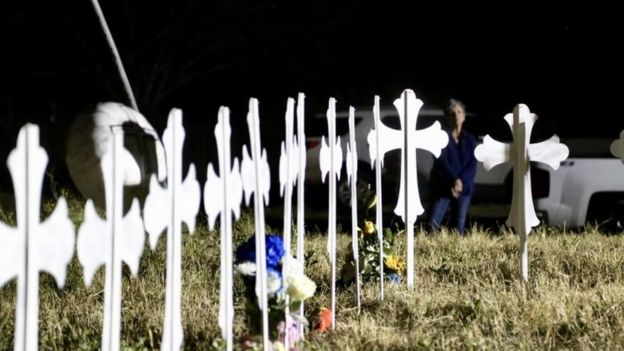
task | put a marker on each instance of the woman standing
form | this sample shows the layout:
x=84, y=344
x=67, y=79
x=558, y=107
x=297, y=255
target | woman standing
x=453, y=173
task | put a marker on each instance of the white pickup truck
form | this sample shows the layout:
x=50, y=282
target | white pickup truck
x=588, y=187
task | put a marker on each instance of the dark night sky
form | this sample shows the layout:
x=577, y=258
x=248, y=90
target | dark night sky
x=563, y=62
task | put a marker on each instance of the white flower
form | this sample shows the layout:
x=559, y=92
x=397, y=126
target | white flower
x=246, y=268
x=274, y=282
x=293, y=266
x=300, y=287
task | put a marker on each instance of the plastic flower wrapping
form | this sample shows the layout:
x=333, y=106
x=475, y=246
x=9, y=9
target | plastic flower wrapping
x=292, y=286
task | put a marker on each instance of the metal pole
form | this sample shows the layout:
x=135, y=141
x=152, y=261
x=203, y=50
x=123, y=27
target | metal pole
x=118, y=63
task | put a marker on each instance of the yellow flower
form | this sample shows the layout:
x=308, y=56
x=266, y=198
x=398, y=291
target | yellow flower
x=394, y=263
x=369, y=227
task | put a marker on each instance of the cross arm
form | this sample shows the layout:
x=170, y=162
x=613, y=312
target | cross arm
x=91, y=246
x=190, y=198
x=55, y=242
x=133, y=237
x=10, y=252
x=492, y=152
x=550, y=152
x=213, y=196
x=155, y=211
x=325, y=157
x=389, y=139
x=285, y=160
x=617, y=147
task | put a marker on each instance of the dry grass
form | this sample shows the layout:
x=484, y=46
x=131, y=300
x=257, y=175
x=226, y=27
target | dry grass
x=467, y=295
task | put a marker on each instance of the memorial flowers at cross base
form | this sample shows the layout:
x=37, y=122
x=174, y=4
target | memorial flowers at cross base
x=292, y=286
x=368, y=247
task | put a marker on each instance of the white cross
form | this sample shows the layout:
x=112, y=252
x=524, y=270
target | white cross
x=111, y=241
x=352, y=168
x=408, y=139
x=300, y=191
x=288, y=169
x=377, y=162
x=165, y=209
x=522, y=216
x=223, y=195
x=256, y=177
x=32, y=246
x=330, y=160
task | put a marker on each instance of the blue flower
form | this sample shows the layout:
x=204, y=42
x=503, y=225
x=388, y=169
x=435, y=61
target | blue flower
x=274, y=251
x=394, y=278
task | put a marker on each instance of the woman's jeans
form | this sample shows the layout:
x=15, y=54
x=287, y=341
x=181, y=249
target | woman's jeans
x=459, y=212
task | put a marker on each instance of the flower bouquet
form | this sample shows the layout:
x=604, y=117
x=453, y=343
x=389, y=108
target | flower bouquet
x=368, y=245
x=284, y=289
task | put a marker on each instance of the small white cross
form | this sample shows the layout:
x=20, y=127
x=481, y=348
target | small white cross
x=352, y=168
x=222, y=197
x=256, y=177
x=112, y=241
x=32, y=246
x=165, y=209
x=330, y=160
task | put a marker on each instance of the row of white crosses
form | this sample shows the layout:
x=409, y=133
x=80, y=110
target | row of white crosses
x=383, y=139
x=119, y=238
x=223, y=194
x=49, y=246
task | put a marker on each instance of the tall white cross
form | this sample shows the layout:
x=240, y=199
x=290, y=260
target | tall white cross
x=288, y=169
x=330, y=160
x=111, y=241
x=222, y=197
x=32, y=246
x=300, y=190
x=352, y=168
x=165, y=209
x=408, y=139
x=377, y=162
x=522, y=216
x=256, y=177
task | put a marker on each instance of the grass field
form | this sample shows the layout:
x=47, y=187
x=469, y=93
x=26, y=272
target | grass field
x=468, y=295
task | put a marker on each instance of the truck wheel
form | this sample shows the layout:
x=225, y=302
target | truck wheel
x=606, y=210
